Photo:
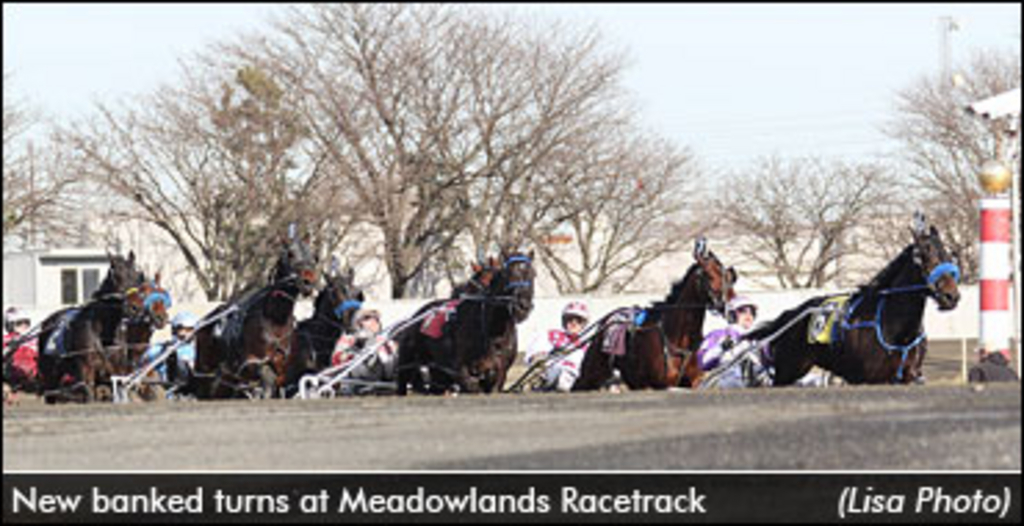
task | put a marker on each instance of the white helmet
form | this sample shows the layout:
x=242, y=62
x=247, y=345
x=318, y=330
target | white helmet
x=185, y=320
x=13, y=316
x=738, y=303
x=576, y=308
x=365, y=314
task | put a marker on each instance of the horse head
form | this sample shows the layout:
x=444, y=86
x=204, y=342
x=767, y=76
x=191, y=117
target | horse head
x=938, y=268
x=297, y=263
x=341, y=298
x=155, y=302
x=717, y=281
x=123, y=279
x=516, y=279
x=483, y=274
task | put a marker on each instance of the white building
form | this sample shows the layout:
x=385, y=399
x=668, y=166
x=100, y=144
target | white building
x=52, y=278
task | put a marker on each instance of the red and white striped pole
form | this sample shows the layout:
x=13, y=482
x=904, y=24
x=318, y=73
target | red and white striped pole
x=996, y=324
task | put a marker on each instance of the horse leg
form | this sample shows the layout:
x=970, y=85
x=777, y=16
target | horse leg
x=692, y=374
x=268, y=381
x=595, y=370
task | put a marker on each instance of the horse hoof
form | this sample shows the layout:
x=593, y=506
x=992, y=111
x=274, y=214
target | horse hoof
x=103, y=393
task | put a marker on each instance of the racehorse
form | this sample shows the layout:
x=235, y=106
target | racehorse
x=314, y=339
x=244, y=354
x=878, y=336
x=79, y=347
x=520, y=275
x=139, y=330
x=478, y=344
x=664, y=335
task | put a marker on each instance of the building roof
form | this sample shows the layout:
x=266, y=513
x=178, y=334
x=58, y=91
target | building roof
x=1002, y=105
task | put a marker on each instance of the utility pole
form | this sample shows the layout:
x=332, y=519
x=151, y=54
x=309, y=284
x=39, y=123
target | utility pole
x=30, y=202
x=947, y=25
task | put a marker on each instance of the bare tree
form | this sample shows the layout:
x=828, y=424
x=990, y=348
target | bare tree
x=942, y=148
x=216, y=162
x=38, y=197
x=443, y=121
x=797, y=219
x=626, y=209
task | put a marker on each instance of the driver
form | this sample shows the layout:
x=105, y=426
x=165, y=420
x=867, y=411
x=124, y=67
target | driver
x=562, y=374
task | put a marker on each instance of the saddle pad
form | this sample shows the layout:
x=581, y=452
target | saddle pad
x=615, y=336
x=819, y=330
x=55, y=346
x=433, y=325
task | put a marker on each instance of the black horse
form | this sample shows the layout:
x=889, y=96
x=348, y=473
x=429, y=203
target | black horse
x=878, y=337
x=244, y=354
x=479, y=343
x=314, y=339
x=80, y=347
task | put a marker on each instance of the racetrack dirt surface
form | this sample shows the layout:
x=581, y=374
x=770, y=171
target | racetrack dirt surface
x=841, y=428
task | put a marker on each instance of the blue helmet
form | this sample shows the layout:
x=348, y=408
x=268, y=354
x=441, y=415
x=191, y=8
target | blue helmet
x=185, y=320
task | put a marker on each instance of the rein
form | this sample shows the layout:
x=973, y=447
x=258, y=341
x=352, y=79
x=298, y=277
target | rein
x=928, y=288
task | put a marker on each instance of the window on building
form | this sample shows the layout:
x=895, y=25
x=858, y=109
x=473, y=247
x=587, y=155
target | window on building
x=90, y=281
x=69, y=286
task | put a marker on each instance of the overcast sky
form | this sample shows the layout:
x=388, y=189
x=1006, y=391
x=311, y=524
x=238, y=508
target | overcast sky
x=734, y=82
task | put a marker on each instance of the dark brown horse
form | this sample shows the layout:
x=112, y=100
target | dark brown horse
x=314, y=339
x=879, y=336
x=667, y=332
x=245, y=353
x=504, y=345
x=139, y=330
x=80, y=347
x=479, y=343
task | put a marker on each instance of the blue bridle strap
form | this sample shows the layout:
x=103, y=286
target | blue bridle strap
x=517, y=259
x=158, y=295
x=876, y=324
x=943, y=269
x=518, y=284
x=346, y=306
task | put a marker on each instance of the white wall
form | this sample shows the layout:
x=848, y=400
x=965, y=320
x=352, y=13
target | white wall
x=19, y=279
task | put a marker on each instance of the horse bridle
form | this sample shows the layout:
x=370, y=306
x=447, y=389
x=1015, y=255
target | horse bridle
x=944, y=268
x=929, y=287
x=154, y=295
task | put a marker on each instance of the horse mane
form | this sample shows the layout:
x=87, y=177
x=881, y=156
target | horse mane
x=882, y=279
x=106, y=287
x=109, y=287
x=888, y=274
x=676, y=293
x=320, y=304
x=464, y=287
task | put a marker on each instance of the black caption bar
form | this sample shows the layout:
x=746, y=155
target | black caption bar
x=608, y=498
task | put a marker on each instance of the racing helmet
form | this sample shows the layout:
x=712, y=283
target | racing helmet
x=13, y=316
x=577, y=309
x=185, y=320
x=738, y=303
